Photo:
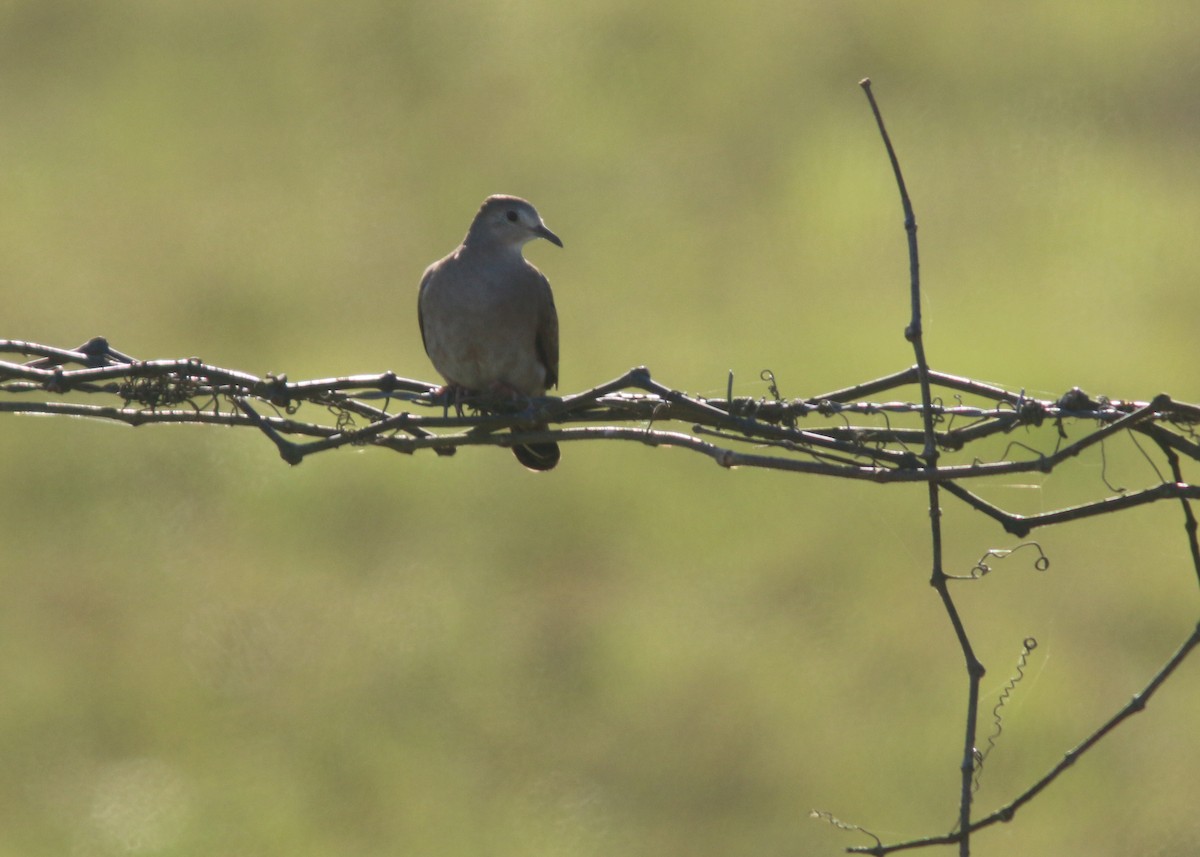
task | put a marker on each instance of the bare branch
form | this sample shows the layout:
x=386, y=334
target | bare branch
x=946, y=438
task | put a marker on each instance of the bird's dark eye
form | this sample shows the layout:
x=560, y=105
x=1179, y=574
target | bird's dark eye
x=512, y=216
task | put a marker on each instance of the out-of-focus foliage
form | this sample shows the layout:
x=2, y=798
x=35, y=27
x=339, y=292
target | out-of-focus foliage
x=204, y=651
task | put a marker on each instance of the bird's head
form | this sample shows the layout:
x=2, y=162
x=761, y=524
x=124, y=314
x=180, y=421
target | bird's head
x=508, y=221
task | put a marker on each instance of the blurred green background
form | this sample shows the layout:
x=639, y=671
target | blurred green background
x=204, y=651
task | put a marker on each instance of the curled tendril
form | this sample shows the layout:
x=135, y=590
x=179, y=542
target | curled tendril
x=882, y=442
x=1146, y=455
x=344, y=420
x=981, y=568
x=830, y=818
x=950, y=422
x=1116, y=489
x=1187, y=429
x=937, y=405
x=772, y=388
x=1027, y=647
x=158, y=392
x=213, y=401
x=1026, y=447
x=658, y=409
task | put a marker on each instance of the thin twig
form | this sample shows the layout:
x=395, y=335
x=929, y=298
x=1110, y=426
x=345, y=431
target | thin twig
x=938, y=578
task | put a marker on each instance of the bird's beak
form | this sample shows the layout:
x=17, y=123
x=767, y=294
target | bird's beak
x=542, y=231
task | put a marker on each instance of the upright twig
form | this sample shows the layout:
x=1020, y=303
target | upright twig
x=938, y=578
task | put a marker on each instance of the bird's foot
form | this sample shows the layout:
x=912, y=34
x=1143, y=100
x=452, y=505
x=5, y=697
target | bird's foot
x=452, y=394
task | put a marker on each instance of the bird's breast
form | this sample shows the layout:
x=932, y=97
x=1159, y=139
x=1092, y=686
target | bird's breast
x=481, y=330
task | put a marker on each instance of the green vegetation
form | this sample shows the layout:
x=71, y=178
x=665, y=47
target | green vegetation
x=203, y=651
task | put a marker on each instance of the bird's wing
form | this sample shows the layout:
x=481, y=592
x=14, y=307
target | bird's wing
x=425, y=278
x=547, y=331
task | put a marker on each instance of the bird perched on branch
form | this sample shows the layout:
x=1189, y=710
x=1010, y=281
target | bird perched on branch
x=487, y=315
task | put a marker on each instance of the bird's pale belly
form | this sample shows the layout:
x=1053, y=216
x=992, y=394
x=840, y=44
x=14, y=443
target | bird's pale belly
x=479, y=361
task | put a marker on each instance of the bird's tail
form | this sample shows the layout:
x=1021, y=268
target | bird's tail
x=538, y=456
